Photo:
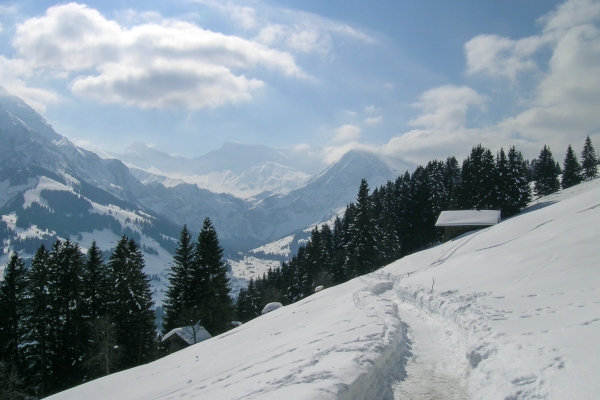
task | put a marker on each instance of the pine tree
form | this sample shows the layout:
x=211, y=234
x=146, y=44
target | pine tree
x=502, y=182
x=39, y=324
x=69, y=331
x=452, y=175
x=96, y=287
x=571, y=170
x=131, y=304
x=478, y=180
x=362, y=248
x=211, y=281
x=337, y=272
x=545, y=174
x=14, y=312
x=179, y=294
x=517, y=192
x=589, y=160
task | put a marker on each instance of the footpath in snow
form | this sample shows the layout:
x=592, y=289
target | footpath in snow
x=436, y=366
x=514, y=313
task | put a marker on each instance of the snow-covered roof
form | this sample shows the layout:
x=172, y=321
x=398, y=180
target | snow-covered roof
x=468, y=217
x=187, y=334
x=271, y=307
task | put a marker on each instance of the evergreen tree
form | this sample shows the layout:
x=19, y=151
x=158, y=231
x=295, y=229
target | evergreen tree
x=39, y=324
x=545, y=175
x=589, y=160
x=69, y=331
x=516, y=190
x=478, y=180
x=96, y=286
x=131, y=304
x=452, y=175
x=502, y=182
x=422, y=212
x=179, y=294
x=337, y=272
x=571, y=170
x=362, y=248
x=14, y=312
x=211, y=281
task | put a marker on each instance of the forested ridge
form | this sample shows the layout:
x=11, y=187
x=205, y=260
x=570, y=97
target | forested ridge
x=398, y=218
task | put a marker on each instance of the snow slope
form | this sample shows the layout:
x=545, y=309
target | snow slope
x=508, y=312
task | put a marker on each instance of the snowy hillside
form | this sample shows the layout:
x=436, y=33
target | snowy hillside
x=508, y=312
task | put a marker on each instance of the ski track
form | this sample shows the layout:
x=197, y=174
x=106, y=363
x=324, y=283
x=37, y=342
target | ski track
x=436, y=366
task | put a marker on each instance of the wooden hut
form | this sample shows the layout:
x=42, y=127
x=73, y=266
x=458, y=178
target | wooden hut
x=455, y=223
x=180, y=338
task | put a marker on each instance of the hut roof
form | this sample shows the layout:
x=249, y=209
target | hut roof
x=468, y=218
x=187, y=334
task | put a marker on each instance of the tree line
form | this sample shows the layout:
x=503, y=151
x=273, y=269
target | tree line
x=72, y=317
x=399, y=217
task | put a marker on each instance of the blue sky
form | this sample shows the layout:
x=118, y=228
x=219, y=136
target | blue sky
x=418, y=80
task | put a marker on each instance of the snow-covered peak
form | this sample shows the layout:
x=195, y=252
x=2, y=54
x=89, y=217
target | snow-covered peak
x=27, y=115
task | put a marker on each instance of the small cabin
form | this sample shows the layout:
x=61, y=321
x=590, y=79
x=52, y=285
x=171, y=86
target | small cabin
x=456, y=223
x=271, y=307
x=180, y=338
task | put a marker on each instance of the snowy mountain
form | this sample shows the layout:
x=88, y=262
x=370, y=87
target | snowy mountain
x=248, y=223
x=507, y=312
x=324, y=194
x=241, y=170
x=40, y=169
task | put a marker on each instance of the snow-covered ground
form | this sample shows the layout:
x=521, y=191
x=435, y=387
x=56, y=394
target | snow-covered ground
x=279, y=247
x=246, y=268
x=508, y=312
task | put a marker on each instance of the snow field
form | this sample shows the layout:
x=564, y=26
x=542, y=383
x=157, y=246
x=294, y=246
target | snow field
x=323, y=347
x=280, y=247
x=524, y=296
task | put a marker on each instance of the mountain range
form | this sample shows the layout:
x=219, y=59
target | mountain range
x=51, y=188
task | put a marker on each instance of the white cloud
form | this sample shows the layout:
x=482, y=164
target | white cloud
x=333, y=153
x=167, y=64
x=446, y=106
x=303, y=32
x=568, y=98
x=441, y=130
x=562, y=110
x=373, y=120
x=298, y=38
x=347, y=133
x=11, y=76
x=243, y=16
x=570, y=14
x=503, y=57
x=498, y=56
x=372, y=109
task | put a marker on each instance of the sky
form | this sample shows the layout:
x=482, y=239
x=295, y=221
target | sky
x=416, y=80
